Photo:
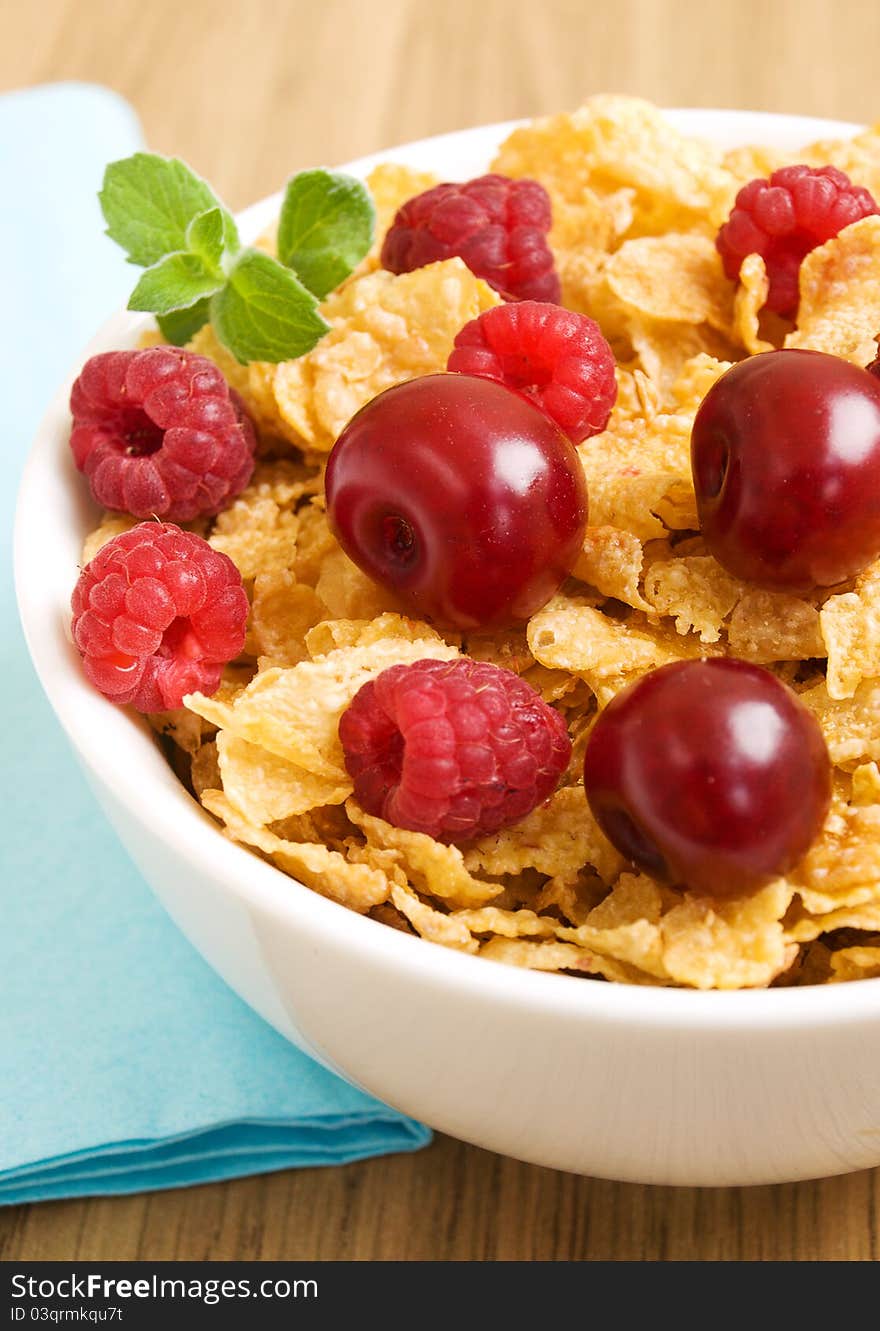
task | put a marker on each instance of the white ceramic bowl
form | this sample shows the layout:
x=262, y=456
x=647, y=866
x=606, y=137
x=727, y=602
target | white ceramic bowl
x=642, y=1084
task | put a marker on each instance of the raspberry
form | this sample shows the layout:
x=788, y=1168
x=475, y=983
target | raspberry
x=159, y=433
x=785, y=217
x=156, y=615
x=455, y=749
x=496, y=225
x=557, y=358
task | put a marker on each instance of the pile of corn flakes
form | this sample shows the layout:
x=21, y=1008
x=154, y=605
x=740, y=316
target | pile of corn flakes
x=636, y=208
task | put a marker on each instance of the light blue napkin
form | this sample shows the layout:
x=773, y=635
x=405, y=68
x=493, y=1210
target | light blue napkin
x=125, y=1063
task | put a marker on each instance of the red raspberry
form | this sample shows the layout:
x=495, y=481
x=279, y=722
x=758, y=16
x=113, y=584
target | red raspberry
x=557, y=358
x=455, y=749
x=496, y=225
x=159, y=433
x=785, y=217
x=156, y=615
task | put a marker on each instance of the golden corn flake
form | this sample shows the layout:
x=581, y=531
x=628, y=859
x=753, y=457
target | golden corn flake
x=752, y=160
x=430, y=866
x=696, y=591
x=540, y=956
x=347, y=592
x=750, y=299
x=264, y=788
x=639, y=476
x=803, y=927
x=611, y=561
x=431, y=923
x=331, y=634
x=768, y=626
x=866, y=785
x=850, y=627
x=734, y=944
x=569, y=635
x=842, y=867
x=571, y=897
x=851, y=726
x=626, y=926
x=385, y=328
x=693, y=382
x=256, y=534
x=506, y=923
x=664, y=347
x=839, y=309
x=557, y=838
x=356, y=886
x=675, y=278
x=855, y=963
x=314, y=542
x=613, y=143
x=283, y=612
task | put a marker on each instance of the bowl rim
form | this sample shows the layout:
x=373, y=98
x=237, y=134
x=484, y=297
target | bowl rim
x=105, y=737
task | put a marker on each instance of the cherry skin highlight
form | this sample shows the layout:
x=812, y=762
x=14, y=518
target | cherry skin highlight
x=459, y=496
x=710, y=775
x=785, y=452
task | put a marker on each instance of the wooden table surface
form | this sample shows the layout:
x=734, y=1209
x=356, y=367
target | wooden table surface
x=248, y=91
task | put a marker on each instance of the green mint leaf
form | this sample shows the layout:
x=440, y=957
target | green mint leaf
x=326, y=227
x=264, y=313
x=212, y=235
x=174, y=283
x=181, y=325
x=149, y=201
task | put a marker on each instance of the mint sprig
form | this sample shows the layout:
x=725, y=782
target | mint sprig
x=264, y=313
x=326, y=227
x=170, y=222
x=149, y=201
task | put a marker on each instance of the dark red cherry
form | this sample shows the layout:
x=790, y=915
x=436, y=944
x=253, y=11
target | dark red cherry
x=459, y=496
x=709, y=774
x=785, y=452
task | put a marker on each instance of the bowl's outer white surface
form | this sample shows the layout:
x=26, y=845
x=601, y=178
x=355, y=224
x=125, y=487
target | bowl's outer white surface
x=640, y=1084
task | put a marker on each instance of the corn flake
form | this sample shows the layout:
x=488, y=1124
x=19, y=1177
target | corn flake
x=696, y=591
x=356, y=886
x=264, y=788
x=613, y=143
x=839, y=308
x=751, y=297
x=557, y=838
x=540, y=956
x=735, y=944
x=282, y=613
x=768, y=626
x=850, y=628
x=611, y=561
x=855, y=963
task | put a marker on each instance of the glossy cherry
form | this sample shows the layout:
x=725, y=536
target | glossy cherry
x=459, y=496
x=709, y=774
x=785, y=452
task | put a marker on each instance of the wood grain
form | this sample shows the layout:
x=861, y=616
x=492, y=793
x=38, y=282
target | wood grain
x=248, y=91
